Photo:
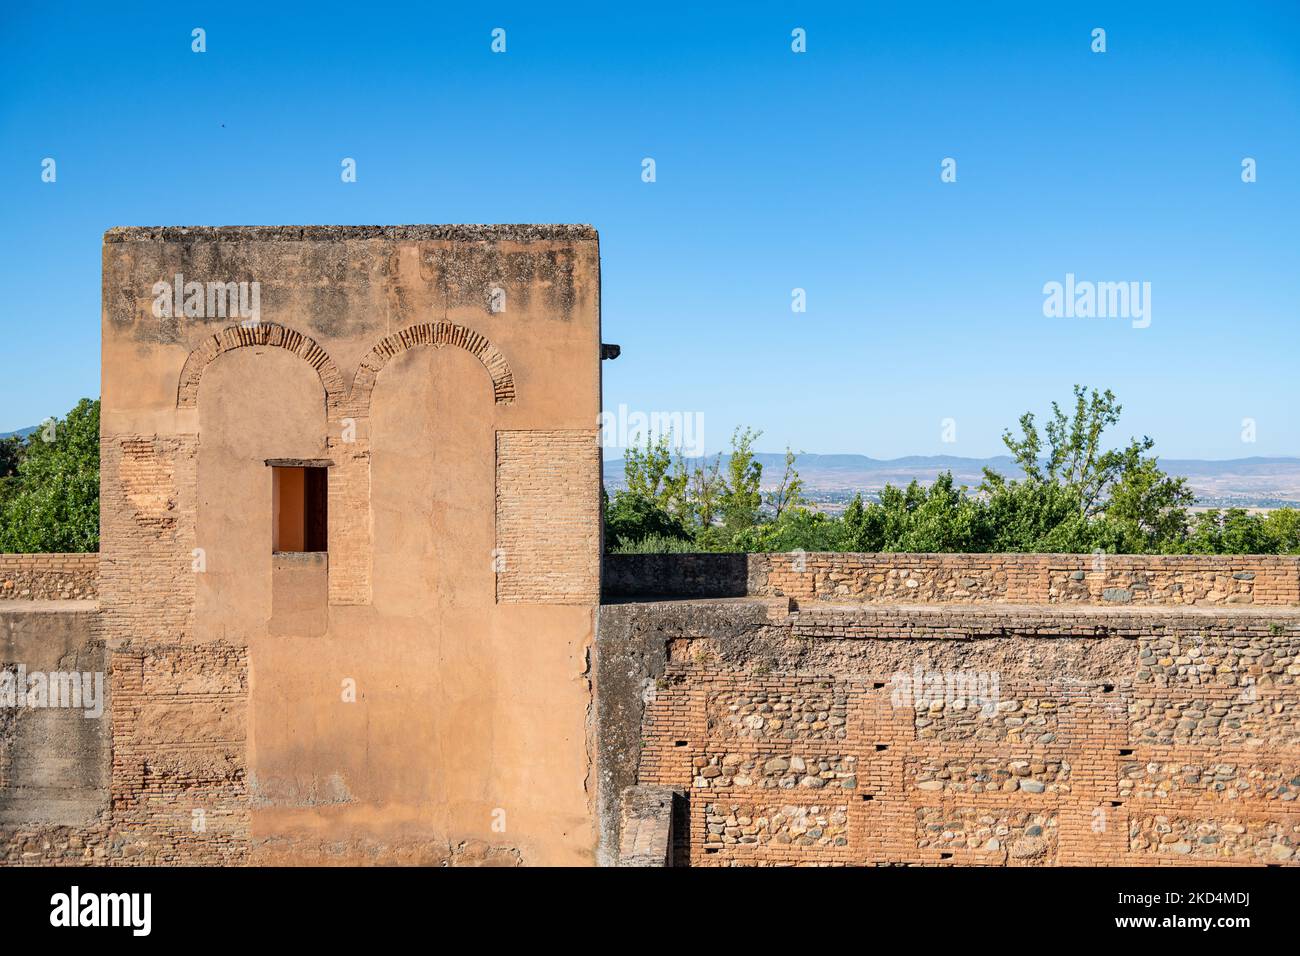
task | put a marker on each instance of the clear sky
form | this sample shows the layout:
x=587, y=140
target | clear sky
x=774, y=171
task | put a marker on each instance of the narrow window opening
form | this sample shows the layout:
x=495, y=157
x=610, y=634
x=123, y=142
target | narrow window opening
x=300, y=511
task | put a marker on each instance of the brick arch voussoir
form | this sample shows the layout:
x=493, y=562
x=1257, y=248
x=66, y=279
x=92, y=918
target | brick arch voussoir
x=437, y=335
x=263, y=334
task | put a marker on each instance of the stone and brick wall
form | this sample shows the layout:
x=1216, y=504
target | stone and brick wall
x=49, y=577
x=54, y=761
x=964, y=729
x=179, y=777
x=1111, y=579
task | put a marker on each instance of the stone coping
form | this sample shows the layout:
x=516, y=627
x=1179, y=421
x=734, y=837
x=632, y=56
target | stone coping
x=468, y=232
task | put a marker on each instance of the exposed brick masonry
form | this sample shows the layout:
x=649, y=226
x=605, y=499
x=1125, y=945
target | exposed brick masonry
x=548, y=530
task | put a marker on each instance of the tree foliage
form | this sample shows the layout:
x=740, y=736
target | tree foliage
x=1076, y=493
x=50, y=501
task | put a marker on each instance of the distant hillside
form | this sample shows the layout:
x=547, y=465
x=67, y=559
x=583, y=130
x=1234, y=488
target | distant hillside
x=21, y=433
x=1244, y=482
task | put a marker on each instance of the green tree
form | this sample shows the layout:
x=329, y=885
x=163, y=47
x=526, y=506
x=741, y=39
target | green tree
x=1148, y=504
x=704, y=493
x=11, y=453
x=740, y=499
x=1076, y=495
x=857, y=532
x=939, y=518
x=1022, y=515
x=651, y=473
x=629, y=518
x=1235, y=531
x=1282, y=528
x=798, y=529
x=788, y=494
x=1076, y=481
x=653, y=507
x=52, y=501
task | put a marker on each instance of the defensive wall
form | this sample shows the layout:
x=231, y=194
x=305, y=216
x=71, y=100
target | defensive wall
x=922, y=709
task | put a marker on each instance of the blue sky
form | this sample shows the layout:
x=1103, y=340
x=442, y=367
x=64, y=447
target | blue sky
x=775, y=170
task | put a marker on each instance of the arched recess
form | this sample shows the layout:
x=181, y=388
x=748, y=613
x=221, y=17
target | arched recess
x=266, y=334
x=432, y=427
x=436, y=334
x=235, y=515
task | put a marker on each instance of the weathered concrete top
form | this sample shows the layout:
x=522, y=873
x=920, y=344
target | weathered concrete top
x=465, y=232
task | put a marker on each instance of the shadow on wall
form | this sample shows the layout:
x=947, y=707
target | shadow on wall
x=675, y=575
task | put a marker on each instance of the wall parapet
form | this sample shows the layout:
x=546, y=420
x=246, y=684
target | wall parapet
x=49, y=577
x=894, y=578
x=677, y=575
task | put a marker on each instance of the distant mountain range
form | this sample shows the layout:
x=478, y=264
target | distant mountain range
x=1239, y=482
x=21, y=433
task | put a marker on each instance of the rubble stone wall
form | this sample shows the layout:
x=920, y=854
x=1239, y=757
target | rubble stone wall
x=985, y=734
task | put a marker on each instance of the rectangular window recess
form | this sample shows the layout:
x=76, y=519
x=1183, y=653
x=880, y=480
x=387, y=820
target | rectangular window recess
x=299, y=508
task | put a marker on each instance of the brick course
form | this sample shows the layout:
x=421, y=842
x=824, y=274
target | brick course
x=547, y=521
